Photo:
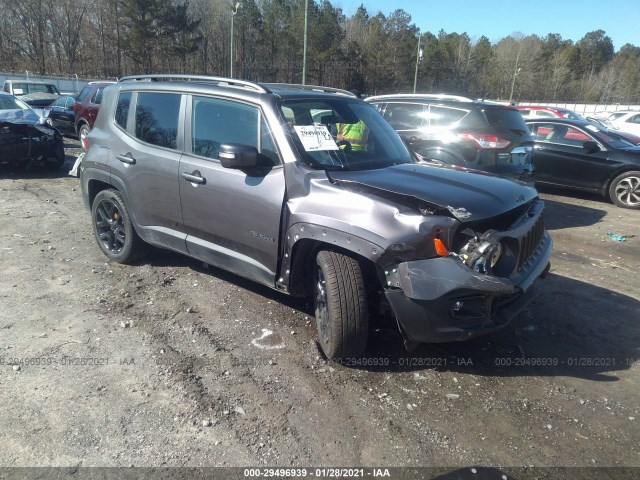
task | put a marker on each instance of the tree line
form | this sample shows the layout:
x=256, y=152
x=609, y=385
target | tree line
x=372, y=52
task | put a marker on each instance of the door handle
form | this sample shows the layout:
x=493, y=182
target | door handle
x=194, y=177
x=128, y=158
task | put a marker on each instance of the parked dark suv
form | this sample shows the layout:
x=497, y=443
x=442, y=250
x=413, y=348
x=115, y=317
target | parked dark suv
x=249, y=177
x=460, y=131
x=86, y=109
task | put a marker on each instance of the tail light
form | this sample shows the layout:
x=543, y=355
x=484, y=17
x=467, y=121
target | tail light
x=485, y=141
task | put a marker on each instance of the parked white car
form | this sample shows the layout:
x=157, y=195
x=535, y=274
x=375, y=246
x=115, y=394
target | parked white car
x=628, y=122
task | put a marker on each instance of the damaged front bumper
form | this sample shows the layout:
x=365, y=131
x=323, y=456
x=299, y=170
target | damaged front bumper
x=442, y=300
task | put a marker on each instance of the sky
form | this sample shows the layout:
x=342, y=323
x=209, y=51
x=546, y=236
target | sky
x=495, y=19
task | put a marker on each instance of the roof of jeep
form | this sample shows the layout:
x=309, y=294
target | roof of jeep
x=202, y=81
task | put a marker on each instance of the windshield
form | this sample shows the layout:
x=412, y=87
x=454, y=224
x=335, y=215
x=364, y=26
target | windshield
x=26, y=88
x=506, y=119
x=342, y=134
x=8, y=102
x=608, y=137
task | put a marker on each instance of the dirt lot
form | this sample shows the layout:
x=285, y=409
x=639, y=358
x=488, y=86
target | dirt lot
x=173, y=363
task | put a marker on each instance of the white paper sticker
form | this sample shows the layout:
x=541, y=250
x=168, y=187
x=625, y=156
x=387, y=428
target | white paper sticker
x=17, y=91
x=315, y=137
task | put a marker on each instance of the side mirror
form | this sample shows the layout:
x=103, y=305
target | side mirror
x=238, y=156
x=590, y=146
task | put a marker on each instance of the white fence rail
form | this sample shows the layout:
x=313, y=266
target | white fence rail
x=587, y=109
x=64, y=84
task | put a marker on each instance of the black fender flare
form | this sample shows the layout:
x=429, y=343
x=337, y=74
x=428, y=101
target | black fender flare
x=303, y=240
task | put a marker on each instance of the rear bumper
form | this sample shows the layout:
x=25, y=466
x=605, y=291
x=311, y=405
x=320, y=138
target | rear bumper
x=443, y=300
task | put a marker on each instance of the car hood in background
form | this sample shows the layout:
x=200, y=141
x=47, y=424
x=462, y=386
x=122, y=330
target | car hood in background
x=38, y=99
x=468, y=196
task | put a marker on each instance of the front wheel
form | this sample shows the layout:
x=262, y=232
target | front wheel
x=58, y=158
x=340, y=305
x=624, y=190
x=113, y=228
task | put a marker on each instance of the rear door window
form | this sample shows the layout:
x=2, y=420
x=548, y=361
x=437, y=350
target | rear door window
x=157, y=118
x=405, y=116
x=441, y=117
x=634, y=119
x=97, y=98
x=122, y=109
x=84, y=93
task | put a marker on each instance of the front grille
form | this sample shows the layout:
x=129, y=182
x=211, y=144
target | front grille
x=530, y=242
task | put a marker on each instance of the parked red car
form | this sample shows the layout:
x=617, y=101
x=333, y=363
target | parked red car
x=86, y=109
x=534, y=111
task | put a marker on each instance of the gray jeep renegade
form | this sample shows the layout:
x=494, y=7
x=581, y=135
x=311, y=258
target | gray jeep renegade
x=261, y=180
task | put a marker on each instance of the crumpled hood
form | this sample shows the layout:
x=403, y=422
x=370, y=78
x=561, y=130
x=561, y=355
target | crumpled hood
x=20, y=116
x=469, y=196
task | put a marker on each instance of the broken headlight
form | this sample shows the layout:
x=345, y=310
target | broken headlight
x=482, y=253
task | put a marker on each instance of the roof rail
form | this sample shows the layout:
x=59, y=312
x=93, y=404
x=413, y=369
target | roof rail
x=433, y=96
x=314, y=88
x=233, y=82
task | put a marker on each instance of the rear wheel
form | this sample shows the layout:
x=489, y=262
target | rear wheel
x=113, y=228
x=624, y=190
x=340, y=305
x=83, y=133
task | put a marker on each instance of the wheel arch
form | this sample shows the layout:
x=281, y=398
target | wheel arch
x=79, y=122
x=95, y=186
x=616, y=174
x=103, y=181
x=299, y=259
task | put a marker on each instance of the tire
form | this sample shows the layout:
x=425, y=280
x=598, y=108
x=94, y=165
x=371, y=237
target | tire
x=83, y=132
x=624, y=190
x=113, y=229
x=340, y=305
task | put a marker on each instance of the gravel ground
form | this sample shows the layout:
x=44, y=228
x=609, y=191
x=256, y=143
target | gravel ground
x=173, y=363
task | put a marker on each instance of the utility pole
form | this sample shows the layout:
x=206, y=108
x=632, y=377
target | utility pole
x=304, y=48
x=234, y=10
x=419, y=54
x=515, y=74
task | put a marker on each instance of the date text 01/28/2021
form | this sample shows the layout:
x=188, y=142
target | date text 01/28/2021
x=63, y=360
x=316, y=472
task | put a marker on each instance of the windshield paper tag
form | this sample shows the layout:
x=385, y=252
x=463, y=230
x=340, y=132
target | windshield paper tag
x=315, y=137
